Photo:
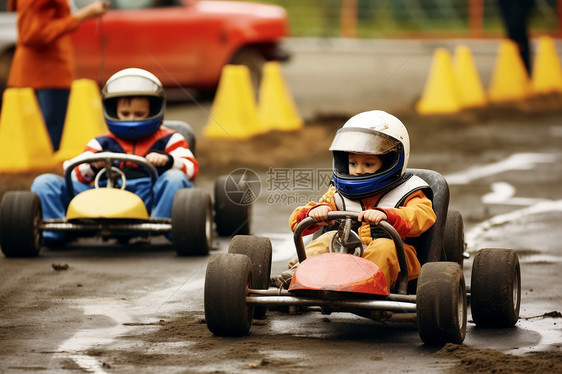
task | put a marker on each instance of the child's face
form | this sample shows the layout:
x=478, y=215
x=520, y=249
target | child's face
x=360, y=163
x=133, y=108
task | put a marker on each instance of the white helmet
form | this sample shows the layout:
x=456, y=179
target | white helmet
x=133, y=82
x=378, y=133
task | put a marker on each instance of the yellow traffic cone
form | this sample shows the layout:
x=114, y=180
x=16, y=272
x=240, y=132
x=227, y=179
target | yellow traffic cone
x=24, y=141
x=469, y=87
x=547, y=75
x=84, y=119
x=234, y=113
x=276, y=108
x=440, y=93
x=510, y=81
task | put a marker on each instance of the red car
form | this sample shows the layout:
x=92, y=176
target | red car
x=184, y=42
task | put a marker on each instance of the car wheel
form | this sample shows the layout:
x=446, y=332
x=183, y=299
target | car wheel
x=254, y=60
x=441, y=303
x=453, y=240
x=227, y=280
x=231, y=217
x=495, y=288
x=192, y=222
x=20, y=216
x=258, y=249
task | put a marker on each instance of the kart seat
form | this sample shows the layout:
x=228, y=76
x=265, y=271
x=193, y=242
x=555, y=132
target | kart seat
x=429, y=245
x=185, y=129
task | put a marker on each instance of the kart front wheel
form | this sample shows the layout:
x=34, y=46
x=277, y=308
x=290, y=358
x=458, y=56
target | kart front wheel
x=192, y=222
x=441, y=303
x=495, y=288
x=20, y=216
x=227, y=280
x=259, y=250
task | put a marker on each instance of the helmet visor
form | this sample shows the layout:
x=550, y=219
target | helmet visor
x=358, y=140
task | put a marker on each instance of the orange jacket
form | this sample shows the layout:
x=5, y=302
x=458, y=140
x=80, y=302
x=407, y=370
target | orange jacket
x=411, y=219
x=44, y=56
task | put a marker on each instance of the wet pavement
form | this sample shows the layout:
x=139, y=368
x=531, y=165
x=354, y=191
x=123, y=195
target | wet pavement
x=140, y=308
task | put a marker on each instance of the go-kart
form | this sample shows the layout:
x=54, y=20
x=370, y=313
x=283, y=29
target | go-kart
x=110, y=211
x=237, y=283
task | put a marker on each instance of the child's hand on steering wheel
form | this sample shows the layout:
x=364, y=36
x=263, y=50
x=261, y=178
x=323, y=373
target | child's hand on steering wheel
x=156, y=159
x=97, y=165
x=320, y=215
x=372, y=216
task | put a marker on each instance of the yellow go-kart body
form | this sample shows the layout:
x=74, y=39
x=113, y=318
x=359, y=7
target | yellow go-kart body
x=106, y=203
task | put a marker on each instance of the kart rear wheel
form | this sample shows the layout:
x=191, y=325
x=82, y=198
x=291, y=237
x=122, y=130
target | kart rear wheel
x=231, y=217
x=441, y=303
x=258, y=249
x=192, y=222
x=453, y=240
x=20, y=216
x=495, y=288
x=228, y=277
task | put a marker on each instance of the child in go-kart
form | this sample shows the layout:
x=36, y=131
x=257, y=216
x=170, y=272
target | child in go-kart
x=370, y=156
x=133, y=106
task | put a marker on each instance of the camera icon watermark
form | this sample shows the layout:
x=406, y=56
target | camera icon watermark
x=242, y=186
x=284, y=186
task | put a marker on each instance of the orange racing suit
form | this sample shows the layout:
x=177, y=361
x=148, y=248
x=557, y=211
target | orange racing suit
x=408, y=210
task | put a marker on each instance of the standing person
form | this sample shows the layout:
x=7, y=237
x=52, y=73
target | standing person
x=133, y=106
x=44, y=58
x=515, y=14
x=370, y=157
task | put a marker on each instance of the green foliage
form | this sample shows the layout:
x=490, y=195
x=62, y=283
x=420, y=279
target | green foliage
x=407, y=18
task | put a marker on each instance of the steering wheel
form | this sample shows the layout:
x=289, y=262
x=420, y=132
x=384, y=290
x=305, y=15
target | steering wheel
x=346, y=240
x=111, y=180
x=114, y=174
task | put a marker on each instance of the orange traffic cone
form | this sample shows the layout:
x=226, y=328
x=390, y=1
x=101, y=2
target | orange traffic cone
x=24, y=141
x=276, y=108
x=547, y=75
x=234, y=113
x=84, y=119
x=470, y=89
x=510, y=81
x=440, y=95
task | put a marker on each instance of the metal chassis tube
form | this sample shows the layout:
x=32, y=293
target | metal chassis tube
x=274, y=296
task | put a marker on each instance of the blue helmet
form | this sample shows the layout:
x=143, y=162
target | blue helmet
x=133, y=82
x=376, y=133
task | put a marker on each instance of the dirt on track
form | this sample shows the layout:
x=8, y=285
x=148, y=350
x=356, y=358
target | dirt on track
x=431, y=138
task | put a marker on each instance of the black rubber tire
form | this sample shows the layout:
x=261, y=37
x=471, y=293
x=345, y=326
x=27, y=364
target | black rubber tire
x=453, y=239
x=495, y=288
x=228, y=277
x=259, y=250
x=441, y=303
x=20, y=216
x=231, y=218
x=192, y=222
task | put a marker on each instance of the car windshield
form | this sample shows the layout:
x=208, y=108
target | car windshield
x=133, y=4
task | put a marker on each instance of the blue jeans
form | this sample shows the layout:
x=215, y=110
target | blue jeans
x=51, y=189
x=53, y=104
